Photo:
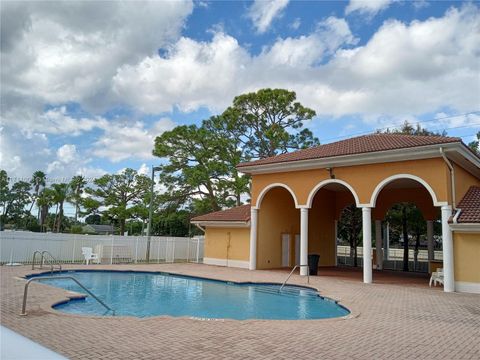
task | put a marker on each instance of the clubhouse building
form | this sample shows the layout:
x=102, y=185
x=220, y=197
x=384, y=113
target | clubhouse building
x=297, y=199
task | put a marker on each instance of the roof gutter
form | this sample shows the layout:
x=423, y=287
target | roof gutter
x=452, y=176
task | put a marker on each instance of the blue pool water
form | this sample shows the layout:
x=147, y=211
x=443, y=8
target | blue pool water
x=153, y=294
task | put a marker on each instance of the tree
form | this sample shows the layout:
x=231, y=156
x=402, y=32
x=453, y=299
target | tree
x=15, y=201
x=38, y=181
x=197, y=165
x=44, y=202
x=118, y=193
x=201, y=161
x=60, y=194
x=4, y=195
x=474, y=145
x=410, y=129
x=76, y=187
x=350, y=228
x=268, y=122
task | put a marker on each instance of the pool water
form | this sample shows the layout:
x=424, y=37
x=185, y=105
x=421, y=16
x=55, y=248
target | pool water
x=144, y=294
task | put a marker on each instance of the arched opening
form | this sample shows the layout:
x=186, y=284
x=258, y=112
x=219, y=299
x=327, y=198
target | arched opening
x=406, y=227
x=278, y=228
x=327, y=203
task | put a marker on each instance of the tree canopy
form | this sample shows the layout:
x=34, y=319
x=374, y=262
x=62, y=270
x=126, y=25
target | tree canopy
x=201, y=162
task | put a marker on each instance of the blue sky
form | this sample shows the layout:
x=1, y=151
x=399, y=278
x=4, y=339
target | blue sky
x=86, y=86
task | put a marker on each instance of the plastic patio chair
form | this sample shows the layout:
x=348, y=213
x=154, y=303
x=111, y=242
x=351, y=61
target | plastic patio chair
x=89, y=255
x=437, y=277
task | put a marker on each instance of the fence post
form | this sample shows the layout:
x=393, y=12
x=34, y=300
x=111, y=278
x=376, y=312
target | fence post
x=73, y=250
x=111, y=251
x=188, y=250
x=198, y=248
x=173, y=250
x=136, y=250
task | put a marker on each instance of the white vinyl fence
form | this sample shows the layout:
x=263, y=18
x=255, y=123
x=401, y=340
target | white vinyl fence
x=392, y=261
x=18, y=247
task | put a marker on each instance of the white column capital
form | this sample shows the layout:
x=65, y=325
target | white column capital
x=446, y=208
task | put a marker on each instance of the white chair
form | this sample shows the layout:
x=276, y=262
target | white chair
x=89, y=255
x=437, y=277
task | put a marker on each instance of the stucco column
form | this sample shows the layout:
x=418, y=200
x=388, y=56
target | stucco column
x=449, y=279
x=430, y=245
x=379, y=243
x=253, y=238
x=367, y=244
x=303, y=241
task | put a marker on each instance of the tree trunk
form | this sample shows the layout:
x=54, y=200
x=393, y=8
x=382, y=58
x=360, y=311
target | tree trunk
x=417, y=246
x=122, y=227
x=405, y=238
x=355, y=260
x=60, y=215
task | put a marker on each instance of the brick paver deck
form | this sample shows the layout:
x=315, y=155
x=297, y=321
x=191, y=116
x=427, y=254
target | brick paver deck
x=389, y=321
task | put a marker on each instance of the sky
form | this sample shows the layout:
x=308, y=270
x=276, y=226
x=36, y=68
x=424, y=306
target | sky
x=87, y=86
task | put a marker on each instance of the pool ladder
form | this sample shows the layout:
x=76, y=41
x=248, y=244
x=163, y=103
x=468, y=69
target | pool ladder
x=52, y=261
x=25, y=291
x=291, y=272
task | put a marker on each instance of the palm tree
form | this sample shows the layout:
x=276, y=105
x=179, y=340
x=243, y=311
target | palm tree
x=76, y=185
x=44, y=202
x=38, y=180
x=60, y=192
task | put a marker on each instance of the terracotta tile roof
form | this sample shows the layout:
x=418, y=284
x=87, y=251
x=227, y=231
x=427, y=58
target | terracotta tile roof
x=470, y=206
x=239, y=213
x=356, y=145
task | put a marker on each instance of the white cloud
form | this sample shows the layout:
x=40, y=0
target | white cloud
x=367, y=7
x=56, y=52
x=67, y=153
x=263, y=12
x=124, y=141
x=295, y=24
x=210, y=74
x=404, y=68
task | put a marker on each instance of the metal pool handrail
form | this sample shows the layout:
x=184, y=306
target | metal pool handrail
x=52, y=263
x=33, y=260
x=291, y=272
x=25, y=292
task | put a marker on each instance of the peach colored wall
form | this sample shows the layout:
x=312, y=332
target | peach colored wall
x=321, y=227
x=463, y=181
x=418, y=196
x=277, y=215
x=466, y=247
x=363, y=178
x=227, y=243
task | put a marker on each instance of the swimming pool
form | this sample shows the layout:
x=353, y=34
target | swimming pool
x=144, y=294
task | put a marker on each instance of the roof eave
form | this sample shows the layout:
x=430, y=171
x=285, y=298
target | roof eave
x=222, y=224
x=465, y=227
x=412, y=153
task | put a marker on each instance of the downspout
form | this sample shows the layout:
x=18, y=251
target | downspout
x=457, y=214
x=452, y=177
x=198, y=226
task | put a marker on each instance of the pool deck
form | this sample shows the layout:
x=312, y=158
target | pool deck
x=395, y=318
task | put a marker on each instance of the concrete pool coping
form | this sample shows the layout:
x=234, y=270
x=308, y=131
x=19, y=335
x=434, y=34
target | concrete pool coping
x=49, y=306
x=397, y=320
